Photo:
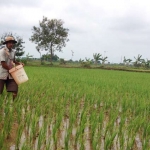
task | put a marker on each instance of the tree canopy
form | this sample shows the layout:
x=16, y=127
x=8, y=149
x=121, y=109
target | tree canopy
x=50, y=35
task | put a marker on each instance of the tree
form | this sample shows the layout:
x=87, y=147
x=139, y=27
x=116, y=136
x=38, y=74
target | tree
x=85, y=63
x=97, y=57
x=147, y=63
x=138, y=60
x=28, y=57
x=18, y=46
x=103, y=59
x=124, y=60
x=50, y=35
x=127, y=61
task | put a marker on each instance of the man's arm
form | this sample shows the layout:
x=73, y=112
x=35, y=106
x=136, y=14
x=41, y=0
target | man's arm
x=4, y=65
x=2, y=59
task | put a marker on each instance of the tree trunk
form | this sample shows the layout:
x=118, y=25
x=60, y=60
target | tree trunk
x=51, y=55
x=40, y=58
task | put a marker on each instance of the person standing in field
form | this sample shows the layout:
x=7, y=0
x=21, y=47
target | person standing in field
x=7, y=61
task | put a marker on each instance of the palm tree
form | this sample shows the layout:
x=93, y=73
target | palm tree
x=97, y=57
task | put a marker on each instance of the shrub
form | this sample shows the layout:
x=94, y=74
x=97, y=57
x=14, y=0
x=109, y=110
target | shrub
x=24, y=61
x=62, y=61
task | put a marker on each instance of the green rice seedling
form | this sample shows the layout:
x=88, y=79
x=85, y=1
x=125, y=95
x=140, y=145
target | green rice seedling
x=2, y=138
x=27, y=125
x=93, y=123
x=121, y=124
x=109, y=140
x=25, y=147
x=100, y=120
x=18, y=108
x=72, y=116
x=19, y=134
x=48, y=145
x=54, y=135
x=109, y=125
x=1, y=105
x=77, y=136
x=69, y=128
x=83, y=124
x=95, y=144
x=41, y=137
x=67, y=138
x=8, y=123
x=130, y=142
x=146, y=135
x=56, y=127
x=33, y=128
x=146, y=130
x=121, y=139
x=145, y=144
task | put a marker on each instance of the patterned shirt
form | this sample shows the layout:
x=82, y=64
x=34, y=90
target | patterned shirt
x=8, y=57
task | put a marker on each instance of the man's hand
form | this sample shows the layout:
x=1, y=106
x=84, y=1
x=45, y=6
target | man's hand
x=21, y=64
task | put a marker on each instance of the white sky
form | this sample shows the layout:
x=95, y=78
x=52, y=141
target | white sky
x=113, y=28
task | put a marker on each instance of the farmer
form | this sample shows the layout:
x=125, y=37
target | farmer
x=7, y=61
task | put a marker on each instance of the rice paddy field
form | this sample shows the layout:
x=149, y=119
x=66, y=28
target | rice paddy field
x=77, y=109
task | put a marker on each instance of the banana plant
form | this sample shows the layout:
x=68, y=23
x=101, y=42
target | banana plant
x=97, y=57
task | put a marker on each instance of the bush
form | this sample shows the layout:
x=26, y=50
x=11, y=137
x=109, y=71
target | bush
x=23, y=61
x=62, y=61
x=43, y=63
x=85, y=64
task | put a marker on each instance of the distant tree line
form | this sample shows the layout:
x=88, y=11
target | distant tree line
x=139, y=62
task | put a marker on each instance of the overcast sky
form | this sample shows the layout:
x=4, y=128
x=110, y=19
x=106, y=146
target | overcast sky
x=113, y=28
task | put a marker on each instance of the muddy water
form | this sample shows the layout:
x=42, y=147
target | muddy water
x=63, y=130
x=62, y=134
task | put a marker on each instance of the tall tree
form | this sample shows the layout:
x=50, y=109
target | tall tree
x=50, y=35
x=18, y=46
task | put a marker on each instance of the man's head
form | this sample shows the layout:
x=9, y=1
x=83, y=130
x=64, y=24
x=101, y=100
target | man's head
x=9, y=41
